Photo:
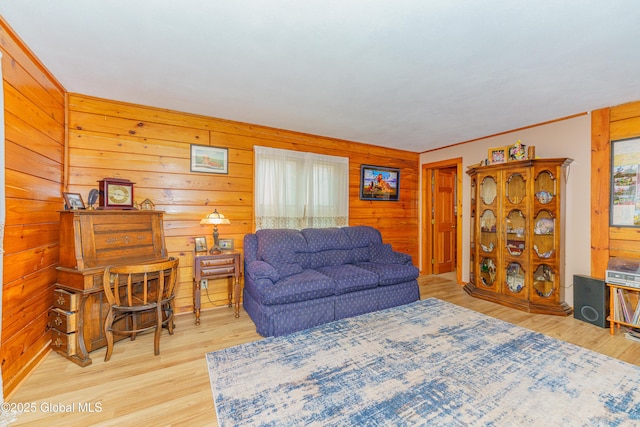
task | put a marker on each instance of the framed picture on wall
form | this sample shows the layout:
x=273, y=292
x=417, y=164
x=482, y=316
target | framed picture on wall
x=379, y=183
x=207, y=159
x=625, y=192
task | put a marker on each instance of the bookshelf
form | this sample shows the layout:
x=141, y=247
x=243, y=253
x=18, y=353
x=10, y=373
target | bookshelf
x=624, y=307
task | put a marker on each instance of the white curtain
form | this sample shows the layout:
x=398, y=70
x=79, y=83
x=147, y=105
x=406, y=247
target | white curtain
x=295, y=189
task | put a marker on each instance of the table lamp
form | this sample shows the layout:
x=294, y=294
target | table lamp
x=215, y=218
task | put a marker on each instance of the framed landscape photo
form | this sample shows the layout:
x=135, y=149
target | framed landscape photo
x=625, y=192
x=200, y=244
x=379, y=183
x=207, y=159
x=73, y=201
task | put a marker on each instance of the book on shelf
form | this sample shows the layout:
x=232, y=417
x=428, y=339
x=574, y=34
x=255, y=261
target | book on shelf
x=636, y=315
x=625, y=304
x=624, y=310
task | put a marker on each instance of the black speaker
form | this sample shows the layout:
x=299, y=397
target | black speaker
x=590, y=300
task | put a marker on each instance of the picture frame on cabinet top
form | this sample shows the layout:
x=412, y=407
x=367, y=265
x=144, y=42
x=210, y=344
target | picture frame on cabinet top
x=73, y=201
x=498, y=155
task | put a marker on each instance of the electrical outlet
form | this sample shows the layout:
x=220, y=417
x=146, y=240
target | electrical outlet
x=204, y=283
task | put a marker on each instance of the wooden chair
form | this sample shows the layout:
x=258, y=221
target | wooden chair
x=141, y=298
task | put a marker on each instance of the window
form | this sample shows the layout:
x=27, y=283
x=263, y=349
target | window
x=299, y=190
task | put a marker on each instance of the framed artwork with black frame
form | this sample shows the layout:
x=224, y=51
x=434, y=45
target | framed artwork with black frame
x=73, y=201
x=379, y=183
x=208, y=159
x=625, y=192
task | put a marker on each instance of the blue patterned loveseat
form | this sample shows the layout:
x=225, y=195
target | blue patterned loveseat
x=294, y=280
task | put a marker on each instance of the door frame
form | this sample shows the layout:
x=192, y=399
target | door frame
x=427, y=205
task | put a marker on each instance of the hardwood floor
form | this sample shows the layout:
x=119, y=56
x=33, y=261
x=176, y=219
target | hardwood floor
x=137, y=388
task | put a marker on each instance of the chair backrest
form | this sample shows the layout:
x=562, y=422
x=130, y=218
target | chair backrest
x=140, y=284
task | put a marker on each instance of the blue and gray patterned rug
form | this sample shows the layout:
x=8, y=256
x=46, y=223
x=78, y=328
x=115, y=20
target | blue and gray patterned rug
x=427, y=363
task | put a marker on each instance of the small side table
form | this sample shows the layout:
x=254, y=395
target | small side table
x=218, y=266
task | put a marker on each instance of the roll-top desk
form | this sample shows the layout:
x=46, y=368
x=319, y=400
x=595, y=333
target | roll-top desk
x=91, y=240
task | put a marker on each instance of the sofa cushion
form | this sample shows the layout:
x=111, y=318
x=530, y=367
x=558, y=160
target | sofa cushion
x=326, y=247
x=390, y=274
x=307, y=285
x=362, y=237
x=279, y=248
x=316, y=260
x=349, y=278
x=322, y=239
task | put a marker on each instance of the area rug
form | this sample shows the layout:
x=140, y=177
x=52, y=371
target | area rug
x=426, y=363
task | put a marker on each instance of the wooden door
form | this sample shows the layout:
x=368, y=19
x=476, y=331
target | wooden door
x=444, y=224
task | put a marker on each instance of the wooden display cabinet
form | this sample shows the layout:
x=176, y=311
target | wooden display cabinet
x=517, y=228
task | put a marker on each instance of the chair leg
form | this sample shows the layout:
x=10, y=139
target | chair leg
x=170, y=317
x=108, y=322
x=156, y=339
x=134, y=325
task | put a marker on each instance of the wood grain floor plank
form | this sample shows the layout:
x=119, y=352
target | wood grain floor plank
x=172, y=389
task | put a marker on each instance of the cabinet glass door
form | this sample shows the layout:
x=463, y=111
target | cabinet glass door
x=488, y=272
x=515, y=277
x=545, y=187
x=544, y=281
x=488, y=190
x=544, y=239
x=516, y=188
x=515, y=225
x=488, y=234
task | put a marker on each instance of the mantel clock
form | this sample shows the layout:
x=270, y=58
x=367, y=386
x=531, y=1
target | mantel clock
x=116, y=193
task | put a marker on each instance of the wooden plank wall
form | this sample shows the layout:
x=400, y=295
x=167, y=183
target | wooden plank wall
x=610, y=124
x=151, y=147
x=34, y=144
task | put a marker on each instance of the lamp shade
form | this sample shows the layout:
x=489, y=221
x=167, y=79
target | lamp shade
x=215, y=218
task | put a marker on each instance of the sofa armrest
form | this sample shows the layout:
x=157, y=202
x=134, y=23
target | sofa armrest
x=261, y=270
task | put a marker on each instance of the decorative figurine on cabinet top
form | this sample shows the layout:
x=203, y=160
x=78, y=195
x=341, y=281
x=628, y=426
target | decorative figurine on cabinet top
x=517, y=151
x=147, y=205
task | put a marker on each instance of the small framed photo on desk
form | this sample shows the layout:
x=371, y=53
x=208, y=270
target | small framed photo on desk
x=226, y=244
x=200, y=244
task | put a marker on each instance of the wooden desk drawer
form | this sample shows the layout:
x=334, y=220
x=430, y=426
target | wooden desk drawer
x=67, y=301
x=204, y=263
x=64, y=321
x=63, y=343
x=206, y=272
